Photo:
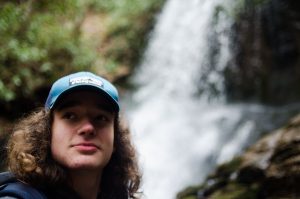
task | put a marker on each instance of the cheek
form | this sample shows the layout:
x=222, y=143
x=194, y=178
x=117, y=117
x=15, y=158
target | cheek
x=55, y=142
x=57, y=139
x=107, y=139
x=111, y=137
x=55, y=135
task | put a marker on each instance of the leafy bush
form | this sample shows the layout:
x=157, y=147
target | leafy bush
x=128, y=24
x=42, y=40
x=39, y=40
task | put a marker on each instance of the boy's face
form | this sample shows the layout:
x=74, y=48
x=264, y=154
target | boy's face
x=83, y=131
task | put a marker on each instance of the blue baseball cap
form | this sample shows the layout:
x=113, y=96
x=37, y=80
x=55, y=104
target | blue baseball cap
x=82, y=80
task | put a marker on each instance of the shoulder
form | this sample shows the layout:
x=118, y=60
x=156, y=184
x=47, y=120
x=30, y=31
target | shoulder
x=10, y=187
x=6, y=177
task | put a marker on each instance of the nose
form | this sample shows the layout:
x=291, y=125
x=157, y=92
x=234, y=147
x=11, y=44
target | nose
x=87, y=128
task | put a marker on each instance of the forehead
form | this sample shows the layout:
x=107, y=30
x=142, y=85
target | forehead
x=84, y=98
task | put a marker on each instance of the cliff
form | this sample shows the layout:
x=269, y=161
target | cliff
x=268, y=169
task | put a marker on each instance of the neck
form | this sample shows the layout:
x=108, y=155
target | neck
x=86, y=184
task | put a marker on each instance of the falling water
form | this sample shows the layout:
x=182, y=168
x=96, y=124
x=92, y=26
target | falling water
x=180, y=135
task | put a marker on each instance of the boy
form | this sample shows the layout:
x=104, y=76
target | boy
x=74, y=147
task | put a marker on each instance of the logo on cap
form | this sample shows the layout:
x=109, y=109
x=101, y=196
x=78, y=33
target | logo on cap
x=85, y=80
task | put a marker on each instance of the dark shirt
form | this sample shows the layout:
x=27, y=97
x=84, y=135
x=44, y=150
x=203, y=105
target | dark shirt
x=51, y=192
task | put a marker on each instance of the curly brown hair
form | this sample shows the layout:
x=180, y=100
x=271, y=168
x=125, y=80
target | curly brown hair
x=30, y=158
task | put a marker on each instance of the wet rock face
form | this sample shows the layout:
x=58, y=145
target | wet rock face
x=283, y=172
x=285, y=160
x=270, y=169
x=265, y=64
x=281, y=157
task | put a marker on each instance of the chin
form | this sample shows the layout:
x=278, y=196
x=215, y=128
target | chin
x=86, y=164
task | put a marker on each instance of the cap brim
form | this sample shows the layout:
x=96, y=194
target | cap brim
x=115, y=106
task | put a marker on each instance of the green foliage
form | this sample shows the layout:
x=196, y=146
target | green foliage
x=226, y=169
x=236, y=191
x=189, y=193
x=39, y=40
x=128, y=23
x=190, y=197
x=42, y=40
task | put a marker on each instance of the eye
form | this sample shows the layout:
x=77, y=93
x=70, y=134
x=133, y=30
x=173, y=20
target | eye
x=101, y=118
x=69, y=116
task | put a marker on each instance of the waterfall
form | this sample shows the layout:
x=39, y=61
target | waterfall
x=179, y=132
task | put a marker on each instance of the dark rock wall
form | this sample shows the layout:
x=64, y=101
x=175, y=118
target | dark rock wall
x=265, y=66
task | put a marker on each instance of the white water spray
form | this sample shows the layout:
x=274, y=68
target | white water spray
x=181, y=137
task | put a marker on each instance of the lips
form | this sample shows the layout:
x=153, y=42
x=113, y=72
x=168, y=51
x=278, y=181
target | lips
x=88, y=147
x=86, y=144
